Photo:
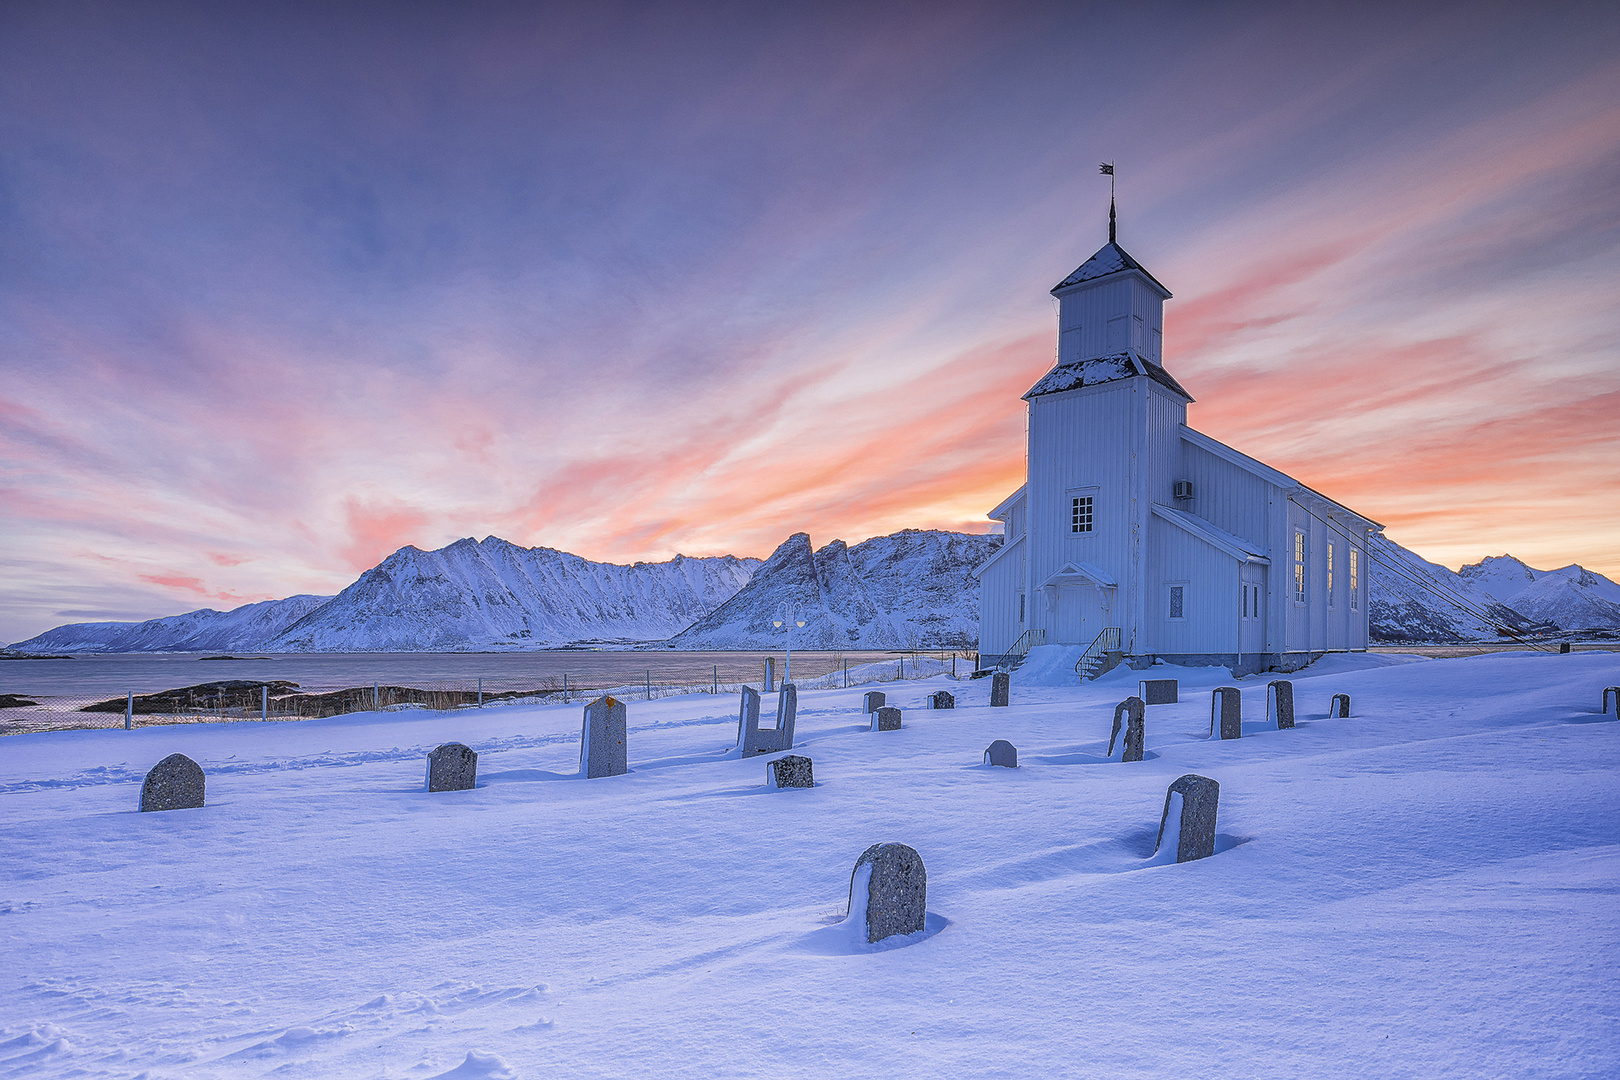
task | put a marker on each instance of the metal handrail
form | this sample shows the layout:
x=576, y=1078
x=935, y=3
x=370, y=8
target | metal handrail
x=1027, y=641
x=1105, y=643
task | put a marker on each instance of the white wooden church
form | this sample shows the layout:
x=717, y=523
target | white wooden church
x=1143, y=539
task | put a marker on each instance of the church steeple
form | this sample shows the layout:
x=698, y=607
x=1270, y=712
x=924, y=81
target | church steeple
x=1110, y=305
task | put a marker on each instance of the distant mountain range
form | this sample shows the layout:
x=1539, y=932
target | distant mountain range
x=912, y=589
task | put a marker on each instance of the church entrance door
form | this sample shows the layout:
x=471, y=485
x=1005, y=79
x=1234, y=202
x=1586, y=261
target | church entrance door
x=1079, y=614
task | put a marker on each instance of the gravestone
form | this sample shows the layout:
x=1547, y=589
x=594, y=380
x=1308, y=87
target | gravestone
x=1000, y=687
x=886, y=719
x=1611, y=692
x=891, y=896
x=753, y=739
x=1130, y=709
x=175, y=783
x=1189, y=817
x=770, y=674
x=942, y=699
x=452, y=767
x=1339, y=708
x=1002, y=752
x=602, y=750
x=874, y=700
x=1226, y=708
x=1159, y=691
x=791, y=771
x=1280, y=703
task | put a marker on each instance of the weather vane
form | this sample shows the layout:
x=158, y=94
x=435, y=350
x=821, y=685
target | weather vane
x=1107, y=169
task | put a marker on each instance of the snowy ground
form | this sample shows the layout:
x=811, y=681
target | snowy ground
x=1426, y=889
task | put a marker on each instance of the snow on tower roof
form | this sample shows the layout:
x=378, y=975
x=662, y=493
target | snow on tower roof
x=1110, y=259
x=1103, y=369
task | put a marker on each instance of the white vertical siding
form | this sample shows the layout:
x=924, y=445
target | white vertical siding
x=1211, y=601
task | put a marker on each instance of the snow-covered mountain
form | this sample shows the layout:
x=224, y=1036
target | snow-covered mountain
x=914, y=589
x=244, y=629
x=476, y=594
x=1571, y=597
x=1411, y=599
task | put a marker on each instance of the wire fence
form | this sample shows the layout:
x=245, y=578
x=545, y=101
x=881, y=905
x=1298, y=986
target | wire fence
x=279, y=700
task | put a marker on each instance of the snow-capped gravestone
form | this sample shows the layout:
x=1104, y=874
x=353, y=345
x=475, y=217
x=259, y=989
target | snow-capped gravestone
x=791, y=771
x=1187, y=825
x=886, y=719
x=1611, y=693
x=1226, y=710
x=1000, y=688
x=1280, y=703
x=770, y=674
x=1130, y=711
x=888, y=891
x=452, y=767
x=602, y=750
x=874, y=700
x=1339, y=707
x=1159, y=691
x=942, y=699
x=175, y=783
x=753, y=739
x=1003, y=753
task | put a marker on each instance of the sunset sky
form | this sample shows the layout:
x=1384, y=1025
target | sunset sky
x=285, y=287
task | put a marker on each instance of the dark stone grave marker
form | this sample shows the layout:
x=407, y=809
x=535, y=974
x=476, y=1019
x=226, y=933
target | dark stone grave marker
x=942, y=699
x=1159, y=691
x=175, y=783
x=886, y=719
x=1339, y=708
x=1001, y=752
x=1000, y=688
x=1226, y=708
x=452, y=767
x=1280, y=703
x=791, y=771
x=874, y=700
x=895, y=897
x=602, y=750
x=1192, y=824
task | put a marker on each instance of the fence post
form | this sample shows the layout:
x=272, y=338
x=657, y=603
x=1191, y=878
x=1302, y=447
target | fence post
x=649, y=684
x=846, y=674
x=129, y=711
x=376, y=697
x=565, y=688
x=480, y=691
x=717, y=680
x=264, y=702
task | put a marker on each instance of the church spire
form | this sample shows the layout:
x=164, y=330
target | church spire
x=1107, y=169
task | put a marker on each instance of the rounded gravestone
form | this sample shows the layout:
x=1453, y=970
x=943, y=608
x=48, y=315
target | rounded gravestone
x=452, y=767
x=886, y=719
x=874, y=700
x=175, y=783
x=942, y=699
x=1280, y=703
x=1001, y=752
x=1000, y=688
x=895, y=897
x=1188, y=821
x=1340, y=707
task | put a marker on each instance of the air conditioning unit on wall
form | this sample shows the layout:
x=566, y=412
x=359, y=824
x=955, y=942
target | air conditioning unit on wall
x=1184, y=489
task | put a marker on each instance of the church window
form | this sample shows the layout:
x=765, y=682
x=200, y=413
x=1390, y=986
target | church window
x=1299, y=566
x=1080, y=514
x=1330, y=574
x=1355, y=580
x=1178, y=601
x=1020, y=609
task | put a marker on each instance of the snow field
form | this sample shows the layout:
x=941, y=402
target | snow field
x=1425, y=889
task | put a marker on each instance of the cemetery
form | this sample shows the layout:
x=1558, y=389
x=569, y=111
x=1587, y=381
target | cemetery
x=620, y=872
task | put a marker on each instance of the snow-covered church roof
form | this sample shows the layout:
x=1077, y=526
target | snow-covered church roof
x=1103, y=369
x=1110, y=259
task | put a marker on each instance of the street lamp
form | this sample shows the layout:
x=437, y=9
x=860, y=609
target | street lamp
x=788, y=622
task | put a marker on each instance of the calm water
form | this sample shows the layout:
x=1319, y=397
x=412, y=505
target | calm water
x=142, y=673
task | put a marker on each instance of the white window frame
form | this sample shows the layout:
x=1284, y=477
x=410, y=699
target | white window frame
x=1355, y=578
x=1074, y=495
x=1302, y=552
x=1170, y=588
x=1330, y=598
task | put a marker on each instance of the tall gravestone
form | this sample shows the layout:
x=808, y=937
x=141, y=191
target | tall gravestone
x=942, y=699
x=1226, y=710
x=1003, y=753
x=886, y=719
x=452, y=767
x=1000, y=688
x=1280, y=703
x=1611, y=693
x=1130, y=710
x=1188, y=821
x=175, y=783
x=753, y=739
x=770, y=674
x=1159, y=691
x=1339, y=707
x=791, y=771
x=888, y=891
x=874, y=700
x=602, y=750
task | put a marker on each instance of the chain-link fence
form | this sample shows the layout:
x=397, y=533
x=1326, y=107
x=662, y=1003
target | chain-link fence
x=266, y=700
